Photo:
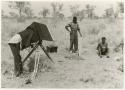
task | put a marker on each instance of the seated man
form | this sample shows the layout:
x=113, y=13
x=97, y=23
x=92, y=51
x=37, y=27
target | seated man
x=103, y=48
x=32, y=34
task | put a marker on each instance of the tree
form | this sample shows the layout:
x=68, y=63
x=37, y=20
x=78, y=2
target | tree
x=116, y=14
x=57, y=14
x=120, y=10
x=19, y=5
x=82, y=14
x=90, y=11
x=109, y=12
x=54, y=8
x=2, y=13
x=13, y=14
x=57, y=8
x=29, y=12
x=60, y=5
x=61, y=15
x=44, y=12
x=121, y=7
x=74, y=10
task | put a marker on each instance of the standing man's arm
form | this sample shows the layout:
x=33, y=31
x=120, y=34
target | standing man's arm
x=79, y=31
x=67, y=27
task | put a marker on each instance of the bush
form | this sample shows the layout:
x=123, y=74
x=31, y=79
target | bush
x=21, y=19
x=94, y=31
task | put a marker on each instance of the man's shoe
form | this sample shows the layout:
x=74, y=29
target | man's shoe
x=100, y=56
x=76, y=51
x=17, y=74
x=70, y=52
x=108, y=57
x=28, y=81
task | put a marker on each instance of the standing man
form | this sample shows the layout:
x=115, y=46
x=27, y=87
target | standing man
x=74, y=27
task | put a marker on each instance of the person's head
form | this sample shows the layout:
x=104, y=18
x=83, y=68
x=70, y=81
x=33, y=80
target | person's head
x=74, y=19
x=103, y=39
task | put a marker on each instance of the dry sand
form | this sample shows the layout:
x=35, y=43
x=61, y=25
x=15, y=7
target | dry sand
x=69, y=71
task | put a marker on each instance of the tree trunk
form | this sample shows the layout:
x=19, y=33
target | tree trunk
x=20, y=12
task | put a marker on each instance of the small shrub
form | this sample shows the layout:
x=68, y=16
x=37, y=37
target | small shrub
x=102, y=26
x=21, y=19
x=94, y=31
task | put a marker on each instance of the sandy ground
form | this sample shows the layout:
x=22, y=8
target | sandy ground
x=71, y=71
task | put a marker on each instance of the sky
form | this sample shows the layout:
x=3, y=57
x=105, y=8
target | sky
x=101, y=5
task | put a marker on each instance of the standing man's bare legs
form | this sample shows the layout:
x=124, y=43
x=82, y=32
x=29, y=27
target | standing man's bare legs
x=71, y=45
x=75, y=44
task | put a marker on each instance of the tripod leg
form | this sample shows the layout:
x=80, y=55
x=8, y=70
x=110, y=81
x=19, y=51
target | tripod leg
x=30, y=53
x=37, y=57
x=33, y=74
x=46, y=52
x=37, y=64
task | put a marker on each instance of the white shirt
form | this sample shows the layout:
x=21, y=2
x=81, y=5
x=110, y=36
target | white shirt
x=15, y=39
x=73, y=26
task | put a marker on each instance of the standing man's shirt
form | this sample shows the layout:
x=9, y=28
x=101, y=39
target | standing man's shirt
x=73, y=26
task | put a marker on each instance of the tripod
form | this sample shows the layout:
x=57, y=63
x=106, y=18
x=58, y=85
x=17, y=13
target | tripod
x=37, y=57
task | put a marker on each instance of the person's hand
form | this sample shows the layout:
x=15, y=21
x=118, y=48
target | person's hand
x=108, y=57
x=69, y=31
x=80, y=35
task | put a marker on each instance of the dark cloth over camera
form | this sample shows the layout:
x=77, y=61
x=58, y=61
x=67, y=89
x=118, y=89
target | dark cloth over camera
x=33, y=33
